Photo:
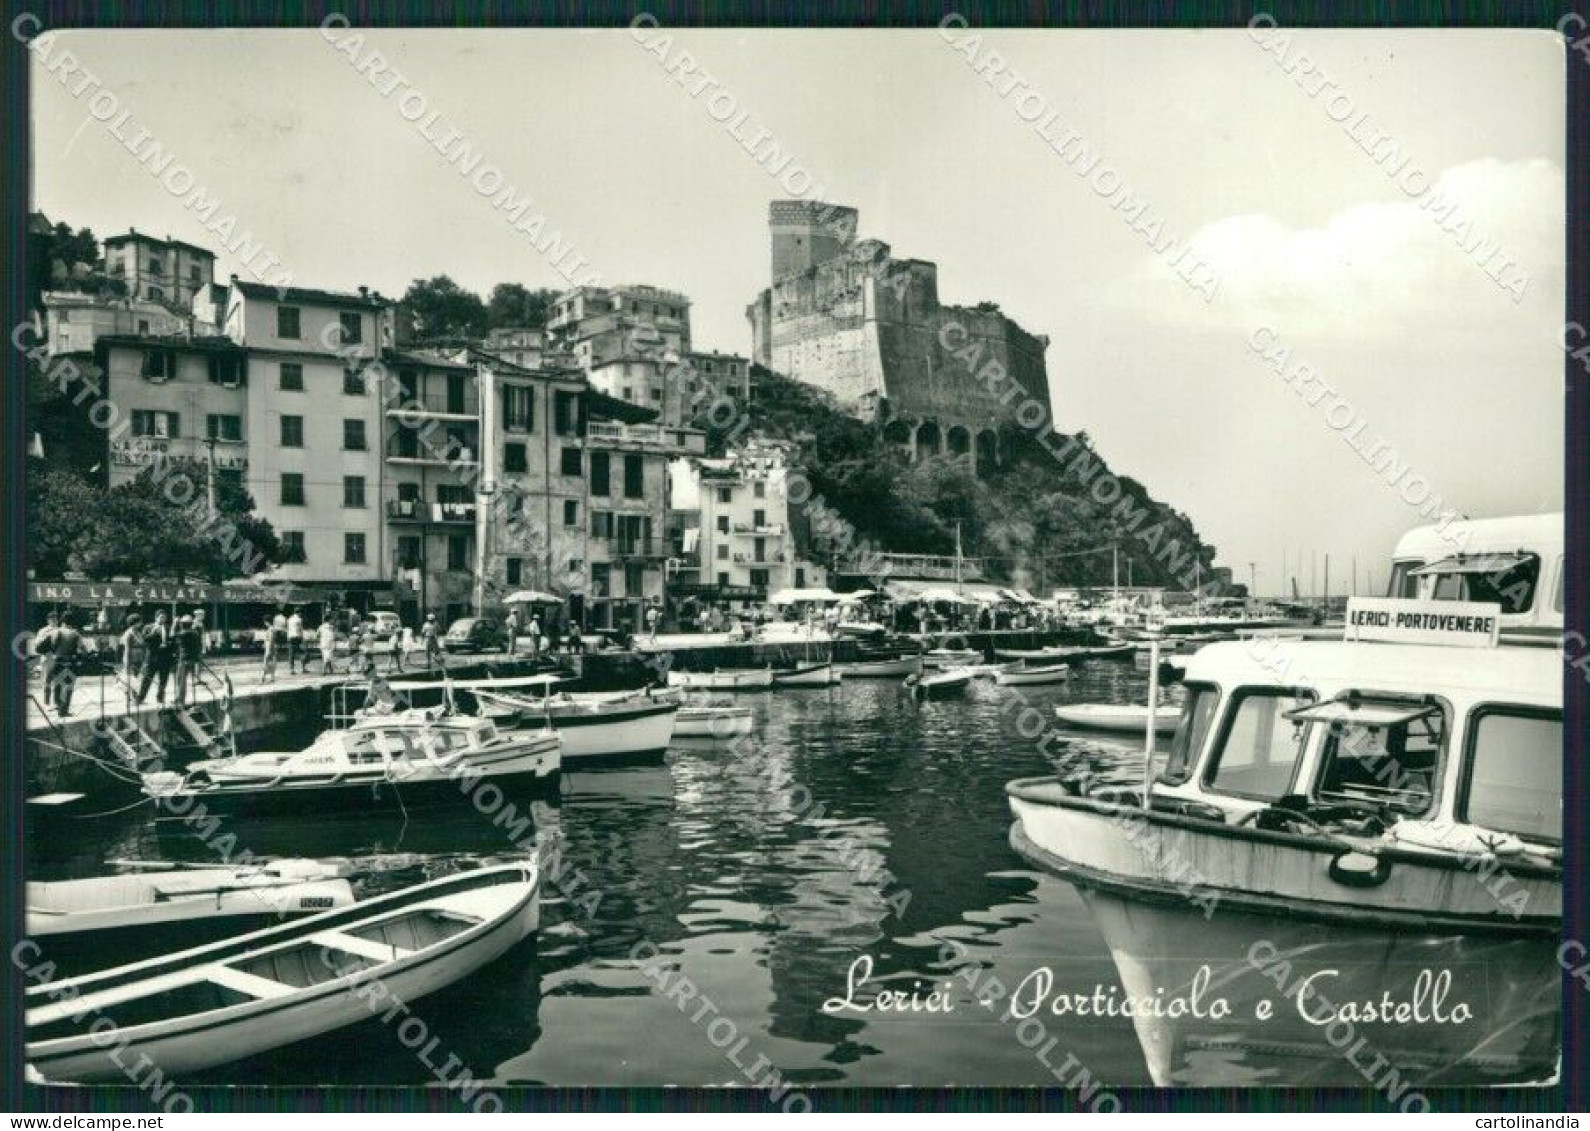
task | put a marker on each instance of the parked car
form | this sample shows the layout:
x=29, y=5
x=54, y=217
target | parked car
x=384, y=625
x=472, y=634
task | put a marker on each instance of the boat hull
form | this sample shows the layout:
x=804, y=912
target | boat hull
x=1292, y=992
x=633, y=736
x=1116, y=722
x=819, y=675
x=883, y=669
x=1025, y=676
x=204, y=1040
x=757, y=680
x=714, y=724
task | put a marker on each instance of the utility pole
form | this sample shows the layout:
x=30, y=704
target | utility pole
x=1253, y=580
x=209, y=486
x=1327, y=579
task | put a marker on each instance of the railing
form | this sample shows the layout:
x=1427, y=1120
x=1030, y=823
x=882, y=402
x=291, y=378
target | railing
x=753, y=559
x=416, y=510
x=442, y=453
x=936, y=566
x=431, y=404
x=635, y=547
x=766, y=529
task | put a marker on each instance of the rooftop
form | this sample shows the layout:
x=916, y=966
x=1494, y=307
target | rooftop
x=135, y=236
x=309, y=296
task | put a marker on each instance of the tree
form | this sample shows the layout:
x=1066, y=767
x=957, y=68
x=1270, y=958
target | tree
x=514, y=305
x=59, y=258
x=440, y=308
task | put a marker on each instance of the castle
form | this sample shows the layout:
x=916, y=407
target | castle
x=847, y=316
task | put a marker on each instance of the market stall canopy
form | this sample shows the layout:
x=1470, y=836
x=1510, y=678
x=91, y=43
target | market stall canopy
x=858, y=595
x=796, y=596
x=531, y=597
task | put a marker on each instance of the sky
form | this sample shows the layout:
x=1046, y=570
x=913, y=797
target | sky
x=1317, y=249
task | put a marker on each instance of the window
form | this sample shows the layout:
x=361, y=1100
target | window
x=571, y=461
x=353, y=435
x=1259, y=747
x=513, y=458
x=1197, y=715
x=656, y=394
x=408, y=492
x=193, y=273
x=571, y=513
x=224, y=426
x=159, y=365
x=292, y=377
x=514, y=570
x=723, y=579
x=353, y=548
x=353, y=383
x=725, y=494
x=566, y=413
x=1512, y=779
x=157, y=294
x=634, y=477
x=759, y=578
x=1383, y=751
x=225, y=370
x=518, y=408
x=164, y=425
x=292, y=431
x=723, y=551
x=293, y=546
x=143, y=323
x=1403, y=583
x=723, y=524
x=292, y=489
x=287, y=322
x=758, y=517
x=800, y=578
x=457, y=552
x=353, y=490
x=455, y=393
x=601, y=466
x=352, y=327
x=759, y=489
x=759, y=553
x=408, y=551
x=1509, y=580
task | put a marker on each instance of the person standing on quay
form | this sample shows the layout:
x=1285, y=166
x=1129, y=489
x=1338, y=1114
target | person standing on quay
x=67, y=644
x=273, y=647
x=189, y=649
x=431, y=635
x=511, y=630
x=295, y=643
x=132, y=652
x=328, y=646
x=535, y=637
x=653, y=618
x=44, y=649
x=157, y=659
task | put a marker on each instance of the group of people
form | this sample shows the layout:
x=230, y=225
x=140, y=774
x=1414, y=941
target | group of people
x=285, y=636
x=152, y=654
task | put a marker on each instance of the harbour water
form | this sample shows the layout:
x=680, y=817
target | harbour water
x=864, y=824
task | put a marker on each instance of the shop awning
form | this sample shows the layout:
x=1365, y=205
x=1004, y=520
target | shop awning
x=796, y=596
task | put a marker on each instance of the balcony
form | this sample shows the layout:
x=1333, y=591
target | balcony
x=766, y=530
x=765, y=559
x=610, y=433
x=430, y=406
x=440, y=454
x=641, y=548
x=418, y=511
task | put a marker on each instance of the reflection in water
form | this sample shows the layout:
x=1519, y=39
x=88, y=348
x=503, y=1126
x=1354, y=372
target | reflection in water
x=859, y=822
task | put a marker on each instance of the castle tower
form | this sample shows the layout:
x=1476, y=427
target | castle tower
x=808, y=232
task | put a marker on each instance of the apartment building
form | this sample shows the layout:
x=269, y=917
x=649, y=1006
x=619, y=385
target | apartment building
x=159, y=270
x=74, y=322
x=736, y=528
x=316, y=425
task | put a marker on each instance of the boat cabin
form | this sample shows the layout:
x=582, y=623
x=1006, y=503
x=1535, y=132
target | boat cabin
x=1516, y=562
x=1464, y=742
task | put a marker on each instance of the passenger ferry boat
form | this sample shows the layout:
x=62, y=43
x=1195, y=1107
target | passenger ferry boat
x=419, y=755
x=1352, y=845
x=1516, y=561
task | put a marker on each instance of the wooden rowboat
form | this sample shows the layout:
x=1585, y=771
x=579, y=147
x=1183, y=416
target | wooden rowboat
x=1024, y=674
x=934, y=685
x=714, y=722
x=214, y=1004
x=740, y=679
x=891, y=668
x=1124, y=718
x=950, y=657
x=815, y=675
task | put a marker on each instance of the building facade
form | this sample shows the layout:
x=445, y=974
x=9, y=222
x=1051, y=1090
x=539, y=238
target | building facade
x=735, y=527
x=159, y=270
x=74, y=321
x=850, y=318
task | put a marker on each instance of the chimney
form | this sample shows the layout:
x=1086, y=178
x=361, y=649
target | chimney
x=364, y=291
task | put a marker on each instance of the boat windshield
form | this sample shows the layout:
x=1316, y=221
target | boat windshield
x=1508, y=580
x=1197, y=715
x=1260, y=745
x=1513, y=779
x=1383, y=751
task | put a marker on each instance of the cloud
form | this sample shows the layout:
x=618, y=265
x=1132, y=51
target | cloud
x=1388, y=266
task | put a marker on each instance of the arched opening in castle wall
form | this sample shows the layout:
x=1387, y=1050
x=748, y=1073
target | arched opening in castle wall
x=959, y=439
x=987, y=451
x=929, y=440
x=898, y=434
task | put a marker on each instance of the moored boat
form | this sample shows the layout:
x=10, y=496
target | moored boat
x=724, y=679
x=892, y=667
x=812, y=675
x=121, y=910
x=950, y=657
x=415, y=756
x=1121, y=718
x=713, y=721
x=939, y=684
x=625, y=727
x=1355, y=839
x=1018, y=674
x=217, y=1003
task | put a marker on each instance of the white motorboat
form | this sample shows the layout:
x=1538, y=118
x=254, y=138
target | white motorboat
x=729, y=679
x=1052, y=653
x=1018, y=674
x=629, y=726
x=942, y=658
x=891, y=668
x=229, y=897
x=416, y=756
x=813, y=675
x=198, y=1008
x=713, y=720
x=1337, y=823
x=938, y=684
x=1121, y=718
